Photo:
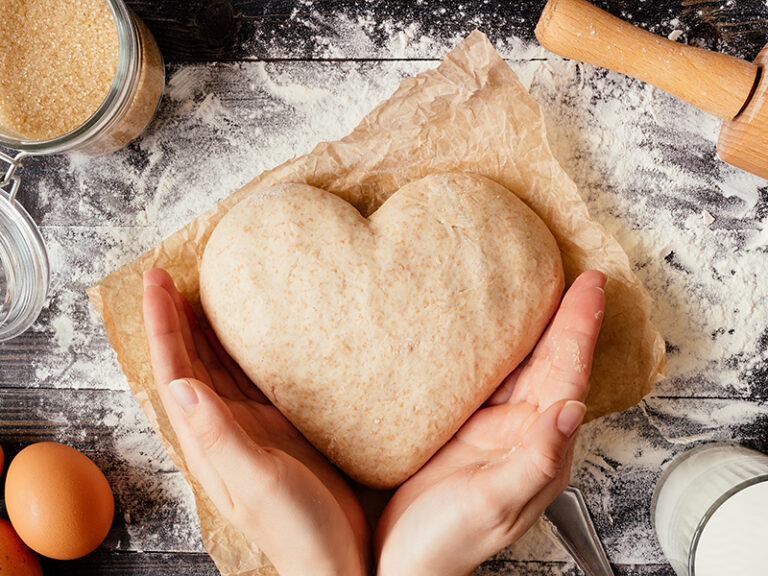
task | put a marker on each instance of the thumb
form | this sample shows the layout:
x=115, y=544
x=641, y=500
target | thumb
x=548, y=439
x=219, y=453
x=541, y=458
x=549, y=443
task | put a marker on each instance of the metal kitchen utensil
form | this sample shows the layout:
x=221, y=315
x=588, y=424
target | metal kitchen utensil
x=572, y=526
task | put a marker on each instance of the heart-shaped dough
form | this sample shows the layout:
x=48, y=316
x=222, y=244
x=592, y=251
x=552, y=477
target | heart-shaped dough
x=379, y=337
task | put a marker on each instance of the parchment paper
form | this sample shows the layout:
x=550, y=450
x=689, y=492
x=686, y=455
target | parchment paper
x=471, y=114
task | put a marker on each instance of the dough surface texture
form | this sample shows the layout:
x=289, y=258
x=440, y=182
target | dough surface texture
x=379, y=337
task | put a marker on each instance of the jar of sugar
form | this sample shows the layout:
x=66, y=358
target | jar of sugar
x=83, y=75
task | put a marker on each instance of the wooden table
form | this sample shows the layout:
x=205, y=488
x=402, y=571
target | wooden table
x=251, y=83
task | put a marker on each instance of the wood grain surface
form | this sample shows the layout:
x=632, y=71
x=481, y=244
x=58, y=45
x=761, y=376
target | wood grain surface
x=61, y=382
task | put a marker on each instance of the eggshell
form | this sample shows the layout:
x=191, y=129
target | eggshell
x=58, y=500
x=15, y=558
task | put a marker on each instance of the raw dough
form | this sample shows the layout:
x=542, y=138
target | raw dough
x=379, y=337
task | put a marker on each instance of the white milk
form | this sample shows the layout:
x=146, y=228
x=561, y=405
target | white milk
x=710, y=511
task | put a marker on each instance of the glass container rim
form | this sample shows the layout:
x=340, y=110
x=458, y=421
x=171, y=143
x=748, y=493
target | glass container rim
x=119, y=92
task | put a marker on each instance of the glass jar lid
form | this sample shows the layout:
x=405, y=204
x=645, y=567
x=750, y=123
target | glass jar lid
x=24, y=270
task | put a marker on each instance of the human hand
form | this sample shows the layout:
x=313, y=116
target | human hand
x=258, y=470
x=507, y=463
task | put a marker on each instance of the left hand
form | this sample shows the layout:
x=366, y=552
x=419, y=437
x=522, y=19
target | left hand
x=258, y=470
x=509, y=461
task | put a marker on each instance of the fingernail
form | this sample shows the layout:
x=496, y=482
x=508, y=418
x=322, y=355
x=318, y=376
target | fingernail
x=184, y=394
x=570, y=417
x=146, y=280
x=603, y=280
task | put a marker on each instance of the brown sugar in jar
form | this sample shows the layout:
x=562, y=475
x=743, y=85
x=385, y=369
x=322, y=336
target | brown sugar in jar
x=57, y=64
x=75, y=75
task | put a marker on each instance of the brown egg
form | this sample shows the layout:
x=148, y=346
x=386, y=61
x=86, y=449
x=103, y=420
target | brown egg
x=58, y=500
x=15, y=558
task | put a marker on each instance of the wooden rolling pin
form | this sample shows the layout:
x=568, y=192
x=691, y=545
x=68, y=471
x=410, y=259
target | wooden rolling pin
x=730, y=88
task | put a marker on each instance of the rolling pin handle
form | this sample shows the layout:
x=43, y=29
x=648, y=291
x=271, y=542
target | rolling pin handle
x=716, y=83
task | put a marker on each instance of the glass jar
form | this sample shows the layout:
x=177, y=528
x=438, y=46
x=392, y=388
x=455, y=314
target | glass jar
x=710, y=511
x=127, y=108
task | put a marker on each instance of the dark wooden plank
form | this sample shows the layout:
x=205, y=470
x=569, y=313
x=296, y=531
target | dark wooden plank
x=102, y=563
x=109, y=563
x=66, y=348
x=105, y=563
x=239, y=29
x=507, y=567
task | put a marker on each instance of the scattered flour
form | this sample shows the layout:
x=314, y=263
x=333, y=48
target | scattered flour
x=692, y=226
x=64, y=331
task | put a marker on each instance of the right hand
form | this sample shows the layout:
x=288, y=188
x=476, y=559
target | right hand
x=258, y=470
x=507, y=463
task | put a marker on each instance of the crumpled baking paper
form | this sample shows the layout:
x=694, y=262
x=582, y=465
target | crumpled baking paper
x=471, y=114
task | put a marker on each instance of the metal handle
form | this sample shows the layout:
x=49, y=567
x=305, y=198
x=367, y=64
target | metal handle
x=573, y=527
x=10, y=181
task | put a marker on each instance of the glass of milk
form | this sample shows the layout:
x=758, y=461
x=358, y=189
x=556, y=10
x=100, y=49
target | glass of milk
x=710, y=511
